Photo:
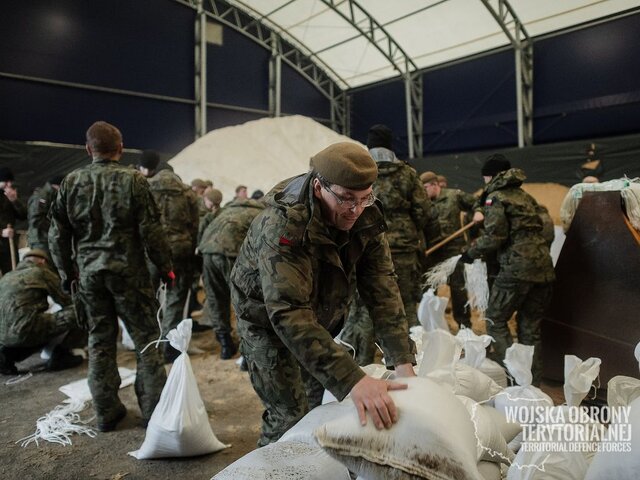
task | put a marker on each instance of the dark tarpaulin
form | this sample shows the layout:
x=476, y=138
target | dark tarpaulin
x=34, y=163
x=549, y=163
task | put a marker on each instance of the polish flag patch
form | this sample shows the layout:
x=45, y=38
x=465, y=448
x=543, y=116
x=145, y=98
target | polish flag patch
x=488, y=202
x=285, y=241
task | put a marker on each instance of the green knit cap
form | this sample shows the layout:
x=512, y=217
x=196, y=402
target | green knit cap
x=346, y=164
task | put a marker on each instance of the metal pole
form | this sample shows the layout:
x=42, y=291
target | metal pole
x=201, y=71
x=408, y=103
x=519, y=96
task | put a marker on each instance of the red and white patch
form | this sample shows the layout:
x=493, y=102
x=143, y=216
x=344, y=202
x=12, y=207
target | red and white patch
x=488, y=202
x=285, y=241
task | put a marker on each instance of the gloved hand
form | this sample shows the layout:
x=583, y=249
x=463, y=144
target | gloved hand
x=66, y=285
x=169, y=279
x=465, y=258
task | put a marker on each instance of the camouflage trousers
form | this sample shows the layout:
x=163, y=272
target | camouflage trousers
x=216, y=272
x=177, y=294
x=358, y=331
x=530, y=300
x=286, y=389
x=407, y=269
x=103, y=297
x=27, y=333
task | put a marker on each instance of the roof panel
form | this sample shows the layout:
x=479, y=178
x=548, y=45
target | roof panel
x=431, y=32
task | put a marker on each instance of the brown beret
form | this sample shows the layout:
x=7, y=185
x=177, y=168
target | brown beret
x=198, y=183
x=428, y=177
x=214, y=195
x=346, y=164
x=442, y=178
x=36, y=252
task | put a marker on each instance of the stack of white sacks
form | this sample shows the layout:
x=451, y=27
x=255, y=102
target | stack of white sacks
x=452, y=424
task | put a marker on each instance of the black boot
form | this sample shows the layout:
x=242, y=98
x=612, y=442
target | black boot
x=228, y=347
x=62, y=358
x=170, y=353
x=7, y=365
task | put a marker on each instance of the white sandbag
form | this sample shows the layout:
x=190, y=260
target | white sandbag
x=548, y=466
x=620, y=465
x=578, y=377
x=494, y=371
x=179, y=425
x=433, y=438
x=636, y=352
x=431, y=311
x=303, y=430
x=491, y=445
x=518, y=359
x=474, y=384
x=621, y=391
x=440, y=352
x=127, y=341
x=474, y=346
x=489, y=470
x=285, y=461
x=375, y=370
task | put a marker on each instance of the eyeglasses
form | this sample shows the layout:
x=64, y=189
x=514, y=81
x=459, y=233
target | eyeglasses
x=350, y=203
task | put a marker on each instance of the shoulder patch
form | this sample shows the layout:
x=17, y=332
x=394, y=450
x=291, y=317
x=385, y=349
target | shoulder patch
x=488, y=202
x=285, y=241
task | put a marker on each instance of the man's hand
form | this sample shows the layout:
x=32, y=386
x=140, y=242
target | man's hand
x=478, y=217
x=11, y=193
x=405, y=370
x=370, y=395
x=8, y=232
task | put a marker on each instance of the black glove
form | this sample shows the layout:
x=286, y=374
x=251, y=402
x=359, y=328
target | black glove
x=66, y=285
x=169, y=278
x=465, y=258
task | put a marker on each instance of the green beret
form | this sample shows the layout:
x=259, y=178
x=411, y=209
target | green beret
x=36, y=252
x=428, y=177
x=346, y=164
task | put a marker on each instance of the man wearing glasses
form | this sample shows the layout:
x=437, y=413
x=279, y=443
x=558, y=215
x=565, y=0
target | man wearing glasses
x=321, y=234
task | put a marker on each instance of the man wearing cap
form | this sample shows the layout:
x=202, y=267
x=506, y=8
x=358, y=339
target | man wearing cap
x=322, y=233
x=448, y=204
x=178, y=208
x=25, y=324
x=11, y=209
x=219, y=245
x=104, y=213
x=38, y=210
x=212, y=200
x=514, y=229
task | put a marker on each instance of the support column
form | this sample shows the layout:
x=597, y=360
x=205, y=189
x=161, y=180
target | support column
x=414, y=111
x=275, y=78
x=200, y=74
x=524, y=92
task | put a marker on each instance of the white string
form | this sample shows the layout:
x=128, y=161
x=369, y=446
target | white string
x=475, y=277
x=161, y=295
x=338, y=340
x=19, y=379
x=58, y=425
x=439, y=275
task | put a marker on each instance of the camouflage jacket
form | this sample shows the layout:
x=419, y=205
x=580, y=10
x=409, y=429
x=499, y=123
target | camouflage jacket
x=11, y=211
x=447, y=208
x=406, y=205
x=206, y=221
x=105, y=213
x=38, y=210
x=179, y=215
x=226, y=232
x=202, y=208
x=23, y=294
x=513, y=229
x=294, y=277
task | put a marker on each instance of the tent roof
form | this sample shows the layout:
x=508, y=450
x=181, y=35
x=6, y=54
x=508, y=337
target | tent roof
x=429, y=32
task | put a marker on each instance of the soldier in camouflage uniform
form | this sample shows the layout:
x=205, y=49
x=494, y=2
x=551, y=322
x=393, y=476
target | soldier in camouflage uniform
x=25, y=325
x=321, y=234
x=448, y=204
x=514, y=229
x=105, y=213
x=178, y=208
x=198, y=186
x=38, y=211
x=220, y=245
x=212, y=200
x=11, y=209
x=406, y=209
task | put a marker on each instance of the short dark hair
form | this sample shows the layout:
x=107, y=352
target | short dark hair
x=240, y=187
x=104, y=138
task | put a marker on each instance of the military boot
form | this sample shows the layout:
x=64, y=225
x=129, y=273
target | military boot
x=7, y=365
x=228, y=347
x=61, y=359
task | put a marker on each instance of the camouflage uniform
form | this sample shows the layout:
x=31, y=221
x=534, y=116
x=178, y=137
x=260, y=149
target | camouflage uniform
x=9, y=213
x=447, y=206
x=178, y=208
x=38, y=209
x=105, y=213
x=291, y=287
x=514, y=229
x=25, y=327
x=407, y=209
x=220, y=245
x=358, y=332
x=205, y=222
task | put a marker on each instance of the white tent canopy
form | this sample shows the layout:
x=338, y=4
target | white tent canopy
x=430, y=32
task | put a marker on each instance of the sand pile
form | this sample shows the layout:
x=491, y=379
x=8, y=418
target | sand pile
x=550, y=195
x=257, y=154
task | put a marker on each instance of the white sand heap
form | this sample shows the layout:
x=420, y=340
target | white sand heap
x=257, y=154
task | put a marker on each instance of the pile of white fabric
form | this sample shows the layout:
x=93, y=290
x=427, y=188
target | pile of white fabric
x=629, y=190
